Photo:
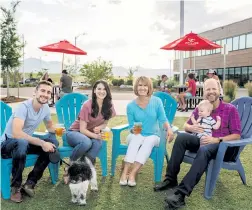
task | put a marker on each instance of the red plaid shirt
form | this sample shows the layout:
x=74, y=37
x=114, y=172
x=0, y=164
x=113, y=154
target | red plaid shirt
x=230, y=120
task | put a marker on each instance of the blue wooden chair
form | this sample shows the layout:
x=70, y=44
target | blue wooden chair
x=244, y=106
x=68, y=108
x=158, y=153
x=6, y=164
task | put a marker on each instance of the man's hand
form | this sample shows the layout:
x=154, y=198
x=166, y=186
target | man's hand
x=97, y=130
x=196, y=128
x=169, y=135
x=48, y=146
x=208, y=140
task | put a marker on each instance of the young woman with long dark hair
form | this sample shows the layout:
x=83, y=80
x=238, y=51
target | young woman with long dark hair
x=84, y=134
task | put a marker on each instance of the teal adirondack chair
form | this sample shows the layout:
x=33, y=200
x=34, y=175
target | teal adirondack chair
x=6, y=164
x=244, y=106
x=158, y=153
x=68, y=108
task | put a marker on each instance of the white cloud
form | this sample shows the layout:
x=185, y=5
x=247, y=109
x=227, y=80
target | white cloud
x=127, y=32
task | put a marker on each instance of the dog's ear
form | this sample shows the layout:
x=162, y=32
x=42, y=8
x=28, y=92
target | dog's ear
x=86, y=172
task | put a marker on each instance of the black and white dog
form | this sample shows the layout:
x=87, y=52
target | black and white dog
x=81, y=172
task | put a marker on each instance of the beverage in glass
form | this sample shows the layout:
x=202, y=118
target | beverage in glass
x=137, y=127
x=59, y=129
x=105, y=134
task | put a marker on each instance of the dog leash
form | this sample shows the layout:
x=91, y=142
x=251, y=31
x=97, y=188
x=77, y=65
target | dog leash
x=62, y=161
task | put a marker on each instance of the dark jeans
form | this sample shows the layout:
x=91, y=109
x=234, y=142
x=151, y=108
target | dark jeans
x=183, y=142
x=17, y=149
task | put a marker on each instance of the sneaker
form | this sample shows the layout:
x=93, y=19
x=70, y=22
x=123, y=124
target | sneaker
x=29, y=189
x=16, y=195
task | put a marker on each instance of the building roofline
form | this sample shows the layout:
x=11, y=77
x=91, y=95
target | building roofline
x=226, y=25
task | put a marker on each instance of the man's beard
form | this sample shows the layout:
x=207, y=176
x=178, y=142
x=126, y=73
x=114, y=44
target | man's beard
x=212, y=97
x=39, y=101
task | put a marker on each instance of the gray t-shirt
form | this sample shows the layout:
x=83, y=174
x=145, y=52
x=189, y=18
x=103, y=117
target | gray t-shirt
x=31, y=118
x=66, y=83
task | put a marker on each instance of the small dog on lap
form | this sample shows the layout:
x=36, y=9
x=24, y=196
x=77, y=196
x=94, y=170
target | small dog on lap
x=81, y=173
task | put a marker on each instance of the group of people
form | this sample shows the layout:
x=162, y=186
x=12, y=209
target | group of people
x=85, y=136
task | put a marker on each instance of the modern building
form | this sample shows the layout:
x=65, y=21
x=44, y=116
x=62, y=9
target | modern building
x=238, y=39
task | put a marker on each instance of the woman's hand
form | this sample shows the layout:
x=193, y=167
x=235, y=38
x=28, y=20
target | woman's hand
x=98, y=136
x=97, y=130
x=169, y=135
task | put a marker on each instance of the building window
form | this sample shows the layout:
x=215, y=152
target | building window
x=250, y=73
x=244, y=76
x=242, y=42
x=203, y=52
x=219, y=49
x=230, y=44
x=236, y=43
x=249, y=40
x=230, y=74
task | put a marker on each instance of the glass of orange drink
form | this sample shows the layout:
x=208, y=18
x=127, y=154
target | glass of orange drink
x=59, y=129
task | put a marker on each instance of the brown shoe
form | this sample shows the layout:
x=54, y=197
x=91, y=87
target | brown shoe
x=16, y=195
x=28, y=189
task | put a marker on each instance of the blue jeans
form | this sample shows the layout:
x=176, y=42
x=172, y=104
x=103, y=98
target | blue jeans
x=17, y=149
x=183, y=142
x=83, y=145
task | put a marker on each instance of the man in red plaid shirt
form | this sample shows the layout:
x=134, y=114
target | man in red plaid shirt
x=230, y=129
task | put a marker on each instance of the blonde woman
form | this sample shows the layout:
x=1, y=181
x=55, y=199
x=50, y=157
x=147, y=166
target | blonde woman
x=148, y=112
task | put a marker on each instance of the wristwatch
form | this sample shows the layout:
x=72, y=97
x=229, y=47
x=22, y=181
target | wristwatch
x=220, y=140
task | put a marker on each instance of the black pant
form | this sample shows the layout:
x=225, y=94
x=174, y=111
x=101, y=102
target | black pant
x=183, y=142
x=17, y=149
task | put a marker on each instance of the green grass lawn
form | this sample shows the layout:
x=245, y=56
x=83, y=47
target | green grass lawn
x=230, y=193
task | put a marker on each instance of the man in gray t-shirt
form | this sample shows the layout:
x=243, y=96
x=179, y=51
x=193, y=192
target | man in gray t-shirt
x=17, y=140
x=65, y=84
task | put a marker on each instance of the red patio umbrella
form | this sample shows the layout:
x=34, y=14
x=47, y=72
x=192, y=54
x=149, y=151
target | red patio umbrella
x=63, y=47
x=191, y=42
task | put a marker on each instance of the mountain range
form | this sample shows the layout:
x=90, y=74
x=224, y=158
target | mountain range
x=35, y=64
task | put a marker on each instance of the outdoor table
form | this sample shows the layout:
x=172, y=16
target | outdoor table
x=182, y=88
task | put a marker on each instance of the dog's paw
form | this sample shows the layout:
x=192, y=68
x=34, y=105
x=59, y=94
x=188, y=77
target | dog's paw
x=82, y=203
x=94, y=188
x=74, y=200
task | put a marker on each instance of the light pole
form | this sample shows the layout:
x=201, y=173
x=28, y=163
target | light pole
x=75, y=43
x=181, y=79
x=23, y=58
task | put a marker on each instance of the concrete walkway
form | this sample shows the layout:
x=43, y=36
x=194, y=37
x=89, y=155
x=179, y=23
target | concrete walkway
x=120, y=107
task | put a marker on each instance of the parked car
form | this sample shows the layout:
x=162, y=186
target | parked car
x=31, y=81
x=75, y=84
x=83, y=84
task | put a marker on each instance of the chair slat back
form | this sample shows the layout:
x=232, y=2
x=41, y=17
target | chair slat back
x=244, y=106
x=170, y=105
x=68, y=108
x=6, y=112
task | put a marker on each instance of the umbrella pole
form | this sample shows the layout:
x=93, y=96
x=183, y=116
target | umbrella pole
x=63, y=62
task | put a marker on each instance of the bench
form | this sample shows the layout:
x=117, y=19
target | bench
x=191, y=103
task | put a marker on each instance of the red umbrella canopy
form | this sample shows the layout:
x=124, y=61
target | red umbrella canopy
x=191, y=42
x=63, y=47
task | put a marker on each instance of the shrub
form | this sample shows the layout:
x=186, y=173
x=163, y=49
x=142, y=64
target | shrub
x=249, y=87
x=230, y=88
x=115, y=82
x=155, y=83
x=227, y=99
x=120, y=82
x=171, y=83
x=129, y=82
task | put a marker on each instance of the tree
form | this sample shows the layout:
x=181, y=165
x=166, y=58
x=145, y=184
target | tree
x=96, y=70
x=131, y=72
x=31, y=75
x=10, y=42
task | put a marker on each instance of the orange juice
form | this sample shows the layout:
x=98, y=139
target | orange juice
x=137, y=127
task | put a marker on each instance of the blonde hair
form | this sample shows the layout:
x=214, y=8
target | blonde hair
x=206, y=104
x=145, y=81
